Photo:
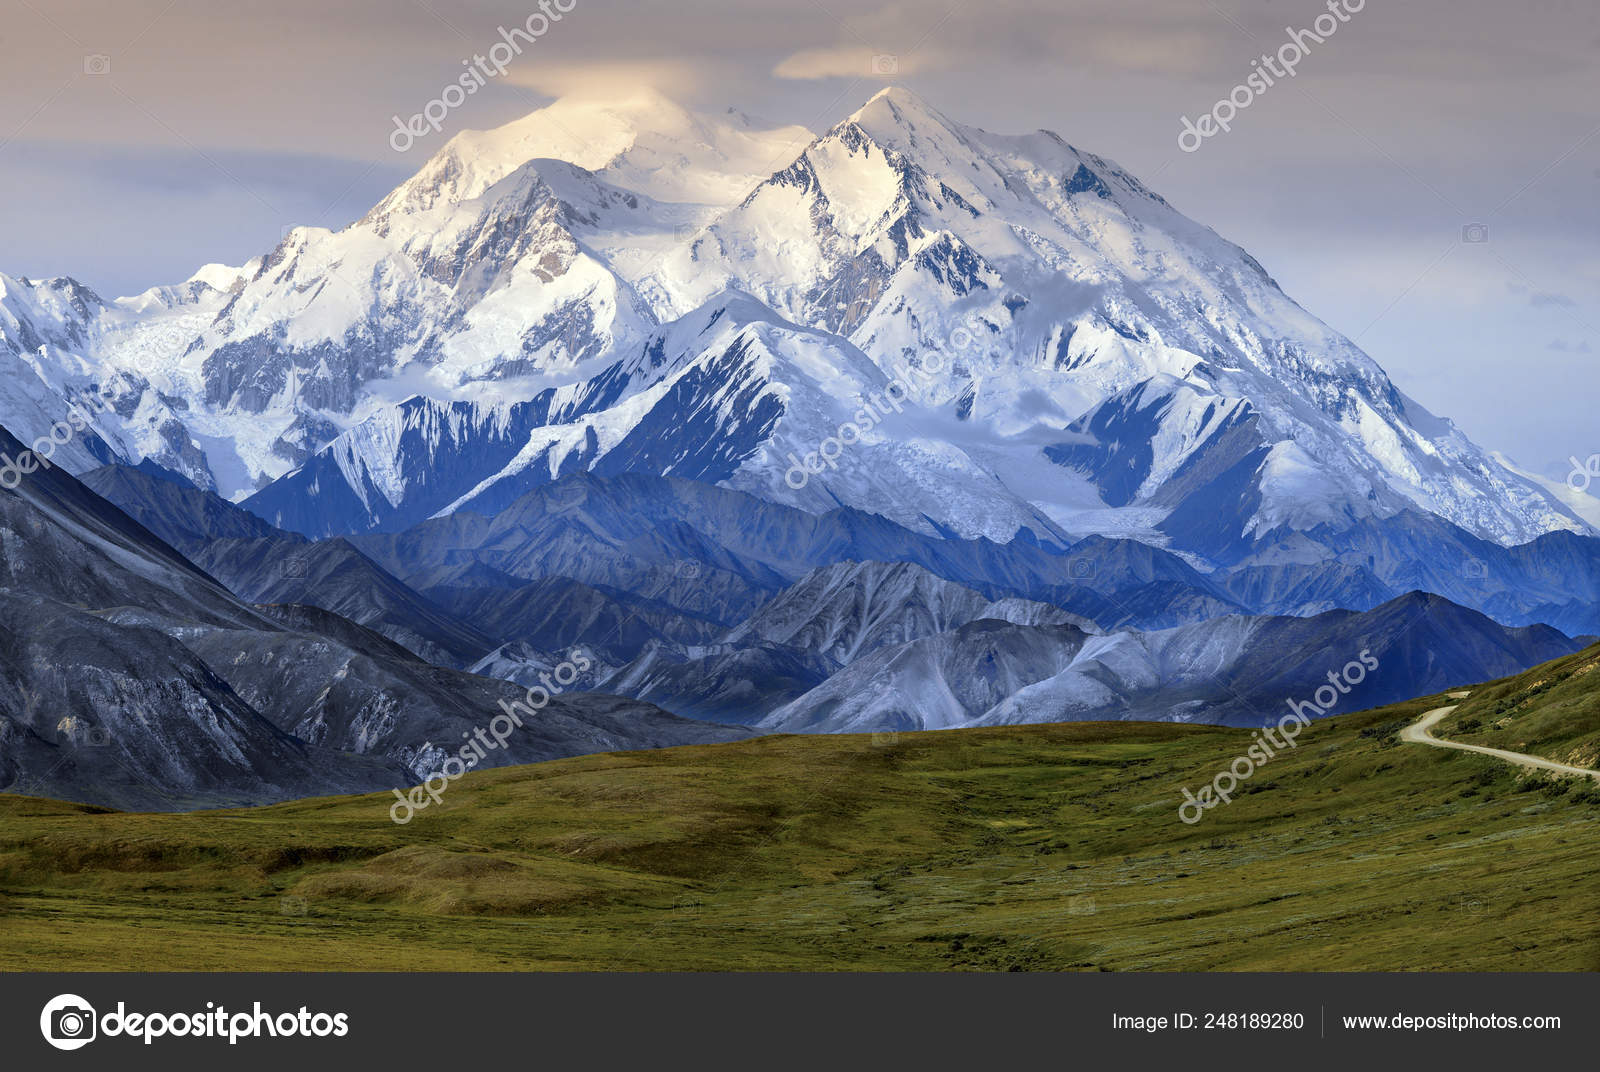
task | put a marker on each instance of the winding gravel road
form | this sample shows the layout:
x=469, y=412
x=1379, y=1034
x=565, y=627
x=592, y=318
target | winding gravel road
x=1417, y=733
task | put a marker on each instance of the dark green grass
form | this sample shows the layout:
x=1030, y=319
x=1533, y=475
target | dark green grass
x=1037, y=847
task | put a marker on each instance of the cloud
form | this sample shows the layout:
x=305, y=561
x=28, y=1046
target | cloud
x=675, y=78
x=1561, y=346
x=849, y=61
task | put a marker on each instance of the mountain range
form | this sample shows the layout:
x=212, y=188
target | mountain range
x=1078, y=356
x=902, y=425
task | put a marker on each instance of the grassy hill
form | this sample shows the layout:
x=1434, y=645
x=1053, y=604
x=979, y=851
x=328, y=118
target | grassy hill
x=1552, y=711
x=1035, y=847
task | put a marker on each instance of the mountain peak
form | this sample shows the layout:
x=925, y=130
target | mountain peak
x=641, y=140
x=893, y=109
x=900, y=97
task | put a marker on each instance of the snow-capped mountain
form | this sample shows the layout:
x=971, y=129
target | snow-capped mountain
x=1021, y=335
x=485, y=277
x=42, y=326
x=1061, y=297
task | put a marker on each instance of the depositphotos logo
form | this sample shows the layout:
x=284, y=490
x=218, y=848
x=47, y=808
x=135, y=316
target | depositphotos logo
x=70, y=1023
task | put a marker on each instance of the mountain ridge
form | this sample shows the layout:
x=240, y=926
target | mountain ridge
x=1105, y=364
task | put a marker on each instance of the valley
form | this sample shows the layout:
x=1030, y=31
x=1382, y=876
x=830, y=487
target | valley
x=1048, y=847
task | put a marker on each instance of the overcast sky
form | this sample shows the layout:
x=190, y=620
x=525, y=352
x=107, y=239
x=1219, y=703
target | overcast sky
x=140, y=139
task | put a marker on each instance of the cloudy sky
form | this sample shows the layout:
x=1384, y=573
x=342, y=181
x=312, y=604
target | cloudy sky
x=140, y=139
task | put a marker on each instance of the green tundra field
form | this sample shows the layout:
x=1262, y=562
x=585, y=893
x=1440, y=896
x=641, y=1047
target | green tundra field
x=1054, y=847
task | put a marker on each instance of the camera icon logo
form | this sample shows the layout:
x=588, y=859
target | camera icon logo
x=68, y=1022
x=80, y=734
x=885, y=63
x=1475, y=232
x=97, y=63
